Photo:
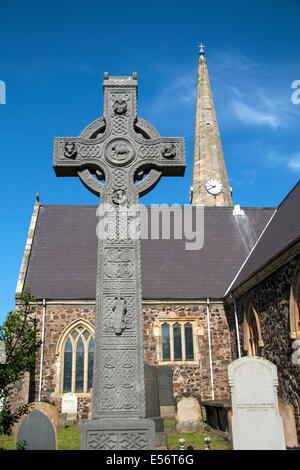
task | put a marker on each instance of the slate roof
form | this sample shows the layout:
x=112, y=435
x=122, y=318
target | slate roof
x=282, y=232
x=62, y=263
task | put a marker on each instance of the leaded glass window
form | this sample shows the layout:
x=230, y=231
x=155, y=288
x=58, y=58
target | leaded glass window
x=67, y=383
x=79, y=366
x=189, y=342
x=166, y=342
x=177, y=341
x=78, y=360
x=90, y=364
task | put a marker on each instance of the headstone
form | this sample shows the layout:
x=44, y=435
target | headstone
x=152, y=405
x=69, y=406
x=255, y=422
x=189, y=418
x=38, y=428
x=37, y=432
x=151, y=391
x=119, y=157
x=287, y=413
x=166, y=394
x=62, y=420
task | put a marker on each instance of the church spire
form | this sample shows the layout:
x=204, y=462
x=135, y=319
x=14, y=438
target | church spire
x=210, y=185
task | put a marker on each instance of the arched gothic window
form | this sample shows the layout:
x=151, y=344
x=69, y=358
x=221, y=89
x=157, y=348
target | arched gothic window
x=77, y=354
x=295, y=306
x=253, y=343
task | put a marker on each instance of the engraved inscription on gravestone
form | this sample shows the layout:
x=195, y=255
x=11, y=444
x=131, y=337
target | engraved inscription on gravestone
x=119, y=157
x=255, y=422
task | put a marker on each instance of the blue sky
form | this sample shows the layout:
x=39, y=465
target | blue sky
x=54, y=54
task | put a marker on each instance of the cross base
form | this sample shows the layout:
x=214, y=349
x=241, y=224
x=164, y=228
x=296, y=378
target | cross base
x=118, y=434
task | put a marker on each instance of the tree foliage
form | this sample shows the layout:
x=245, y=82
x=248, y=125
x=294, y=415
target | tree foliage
x=19, y=333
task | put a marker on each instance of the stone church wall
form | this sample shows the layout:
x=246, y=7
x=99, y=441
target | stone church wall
x=271, y=300
x=190, y=378
x=193, y=379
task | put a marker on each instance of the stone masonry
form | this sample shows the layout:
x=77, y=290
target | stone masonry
x=190, y=379
x=271, y=298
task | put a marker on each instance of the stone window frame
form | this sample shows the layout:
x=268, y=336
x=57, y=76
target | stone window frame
x=251, y=317
x=196, y=331
x=66, y=334
x=294, y=310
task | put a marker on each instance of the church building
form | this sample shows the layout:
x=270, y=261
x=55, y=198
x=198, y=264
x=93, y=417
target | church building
x=237, y=295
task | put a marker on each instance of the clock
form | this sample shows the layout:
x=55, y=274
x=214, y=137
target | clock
x=214, y=186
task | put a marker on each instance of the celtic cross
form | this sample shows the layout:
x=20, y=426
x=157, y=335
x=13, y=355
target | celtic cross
x=119, y=157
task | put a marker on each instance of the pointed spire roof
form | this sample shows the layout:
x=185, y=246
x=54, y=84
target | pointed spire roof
x=210, y=185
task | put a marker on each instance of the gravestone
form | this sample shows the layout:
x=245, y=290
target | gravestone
x=119, y=157
x=152, y=405
x=39, y=427
x=69, y=406
x=287, y=413
x=165, y=390
x=37, y=430
x=255, y=421
x=151, y=391
x=188, y=416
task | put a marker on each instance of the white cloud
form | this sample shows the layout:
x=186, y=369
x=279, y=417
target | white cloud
x=181, y=90
x=294, y=163
x=245, y=178
x=246, y=92
x=291, y=161
x=252, y=116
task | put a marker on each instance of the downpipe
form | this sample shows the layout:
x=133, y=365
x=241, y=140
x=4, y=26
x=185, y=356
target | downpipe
x=236, y=326
x=209, y=351
x=42, y=350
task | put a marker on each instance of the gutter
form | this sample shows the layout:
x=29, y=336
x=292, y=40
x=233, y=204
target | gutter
x=236, y=325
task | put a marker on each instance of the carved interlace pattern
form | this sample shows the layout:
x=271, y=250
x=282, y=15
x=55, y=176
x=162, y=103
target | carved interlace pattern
x=119, y=262
x=98, y=440
x=153, y=151
x=119, y=124
x=89, y=150
x=119, y=390
x=123, y=440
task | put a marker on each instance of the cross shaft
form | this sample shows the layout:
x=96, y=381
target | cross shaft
x=119, y=157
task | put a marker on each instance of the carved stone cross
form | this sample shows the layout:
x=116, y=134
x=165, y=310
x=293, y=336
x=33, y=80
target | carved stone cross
x=119, y=157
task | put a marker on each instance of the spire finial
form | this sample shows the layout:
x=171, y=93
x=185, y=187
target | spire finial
x=201, y=50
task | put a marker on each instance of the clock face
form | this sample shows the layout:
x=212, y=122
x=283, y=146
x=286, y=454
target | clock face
x=214, y=186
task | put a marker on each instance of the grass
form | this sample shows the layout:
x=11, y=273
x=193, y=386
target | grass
x=69, y=439
x=194, y=439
